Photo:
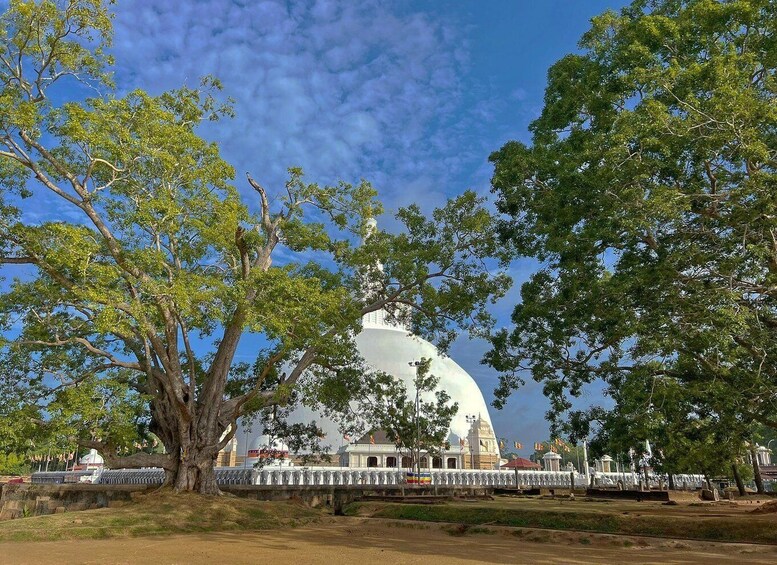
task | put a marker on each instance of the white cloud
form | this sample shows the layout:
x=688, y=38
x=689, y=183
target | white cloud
x=343, y=89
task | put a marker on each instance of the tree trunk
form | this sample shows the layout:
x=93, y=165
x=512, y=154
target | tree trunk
x=191, y=447
x=671, y=481
x=759, y=484
x=738, y=479
x=190, y=433
x=196, y=477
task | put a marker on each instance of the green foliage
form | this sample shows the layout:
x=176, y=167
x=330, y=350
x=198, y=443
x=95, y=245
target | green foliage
x=13, y=464
x=648, y=194
x=415, y=416
x=416, y=420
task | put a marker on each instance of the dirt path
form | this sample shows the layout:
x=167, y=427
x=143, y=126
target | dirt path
x=344, y=541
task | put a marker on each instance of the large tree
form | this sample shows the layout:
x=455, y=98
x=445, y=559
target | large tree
x=139, y=267
x=649, y=195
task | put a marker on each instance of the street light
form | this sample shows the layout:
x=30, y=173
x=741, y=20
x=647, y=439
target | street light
x=417, y=364
x=470, y=419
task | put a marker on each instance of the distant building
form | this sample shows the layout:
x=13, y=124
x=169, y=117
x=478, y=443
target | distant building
x=377, y=450
x=522, y=465
x=482, y=445
x=261, y=449
x=90, y=461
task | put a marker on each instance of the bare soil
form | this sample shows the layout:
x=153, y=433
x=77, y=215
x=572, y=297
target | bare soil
x=768, y=508
x=367, y=541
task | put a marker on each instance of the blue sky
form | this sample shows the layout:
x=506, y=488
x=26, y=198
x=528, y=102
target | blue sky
x=412, y=96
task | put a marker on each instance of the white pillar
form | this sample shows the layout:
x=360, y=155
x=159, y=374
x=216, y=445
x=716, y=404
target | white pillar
x=585, y=462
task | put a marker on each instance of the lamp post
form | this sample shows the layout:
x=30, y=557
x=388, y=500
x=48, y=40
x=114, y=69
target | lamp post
x=417, y=422
x=768, y=449
x=470, y=419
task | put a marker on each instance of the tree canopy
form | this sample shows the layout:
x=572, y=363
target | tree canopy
x=648, y=194
x=143, y=265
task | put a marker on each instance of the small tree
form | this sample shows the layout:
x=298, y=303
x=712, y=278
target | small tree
x=413, y=421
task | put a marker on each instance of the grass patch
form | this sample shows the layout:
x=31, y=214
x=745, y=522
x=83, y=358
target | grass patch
x=159, y=514
x=514, y=513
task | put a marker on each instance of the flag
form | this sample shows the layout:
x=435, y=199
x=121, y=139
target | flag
x=372, y=439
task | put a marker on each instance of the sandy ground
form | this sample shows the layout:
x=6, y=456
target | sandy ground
x=353, y=540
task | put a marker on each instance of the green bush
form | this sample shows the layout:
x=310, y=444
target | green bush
x=13, y=464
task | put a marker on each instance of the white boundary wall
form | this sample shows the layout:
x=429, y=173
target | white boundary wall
x=320, y=476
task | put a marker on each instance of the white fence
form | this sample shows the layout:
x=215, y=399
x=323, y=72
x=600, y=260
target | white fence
x=292, y=476
x=634, y=480
x=379, y=477
x=149, y=476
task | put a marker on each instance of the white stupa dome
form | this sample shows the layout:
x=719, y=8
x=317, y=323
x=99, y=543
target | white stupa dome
x=263, y=442
x=392, y=349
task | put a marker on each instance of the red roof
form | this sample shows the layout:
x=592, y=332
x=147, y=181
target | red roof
x=521, y=463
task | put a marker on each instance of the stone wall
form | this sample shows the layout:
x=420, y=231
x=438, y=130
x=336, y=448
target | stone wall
x=339, y=496
x=19, y=500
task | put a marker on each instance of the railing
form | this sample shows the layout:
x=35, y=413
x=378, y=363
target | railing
x=339, y=476
x=59, y=477
x=376, y=476
x=224, y=476
x=633, y=480
x=150, y=477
